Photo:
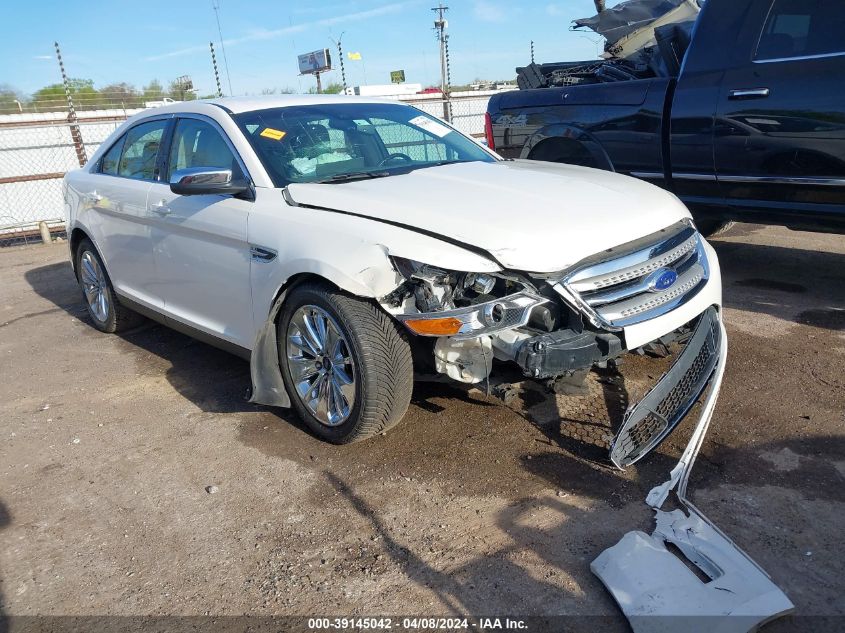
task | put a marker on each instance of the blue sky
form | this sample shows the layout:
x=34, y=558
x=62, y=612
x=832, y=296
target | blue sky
x=156, y=39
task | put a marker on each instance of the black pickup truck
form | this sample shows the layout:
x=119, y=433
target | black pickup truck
x=743, y=120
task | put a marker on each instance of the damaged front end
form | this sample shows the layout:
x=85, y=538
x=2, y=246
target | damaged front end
x=557, y=327
x=687, y=575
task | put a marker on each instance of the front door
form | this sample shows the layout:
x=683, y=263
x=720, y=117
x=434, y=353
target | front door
x=200, y=242
x=780, y=126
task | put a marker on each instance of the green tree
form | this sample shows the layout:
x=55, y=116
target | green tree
x=179, y=92
x=332, y=89
x=120, y=95
x=9, y=100
x=52, y=97
x=153, y=91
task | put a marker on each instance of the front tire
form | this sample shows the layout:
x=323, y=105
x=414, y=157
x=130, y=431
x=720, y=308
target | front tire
x=345, y=363
x=105, y=311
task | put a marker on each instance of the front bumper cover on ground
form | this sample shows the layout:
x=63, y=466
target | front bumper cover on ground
x=650, y=577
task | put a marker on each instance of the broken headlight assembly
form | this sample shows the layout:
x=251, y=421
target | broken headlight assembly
x=433, y=301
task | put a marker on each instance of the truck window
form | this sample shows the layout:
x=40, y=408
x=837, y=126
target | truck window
x=803, y=28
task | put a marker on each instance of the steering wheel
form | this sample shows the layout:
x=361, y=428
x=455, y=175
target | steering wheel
x=398, y=155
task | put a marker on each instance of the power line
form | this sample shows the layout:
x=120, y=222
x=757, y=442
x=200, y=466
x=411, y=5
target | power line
x=216, y=6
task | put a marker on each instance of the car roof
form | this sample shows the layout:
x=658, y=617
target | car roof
x=238, y=105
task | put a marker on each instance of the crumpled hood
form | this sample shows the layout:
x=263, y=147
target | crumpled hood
x=531, y=216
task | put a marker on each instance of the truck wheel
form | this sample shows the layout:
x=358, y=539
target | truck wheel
x=711, y=227
x=345, y=363
x=103, y=306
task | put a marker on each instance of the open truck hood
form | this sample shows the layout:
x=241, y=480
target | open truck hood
x=531, y=216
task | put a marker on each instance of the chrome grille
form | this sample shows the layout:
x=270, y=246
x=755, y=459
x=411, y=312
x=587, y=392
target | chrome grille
x=620, y=288
x=662, y=408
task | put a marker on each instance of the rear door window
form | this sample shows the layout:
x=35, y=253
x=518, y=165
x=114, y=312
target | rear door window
x=803, y=28
x=140, y=151
x=111, y=159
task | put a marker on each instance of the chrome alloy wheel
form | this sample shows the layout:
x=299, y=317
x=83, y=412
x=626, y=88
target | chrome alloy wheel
x=95, y=286
x=320, y=364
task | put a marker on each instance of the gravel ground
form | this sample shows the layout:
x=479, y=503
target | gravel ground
x=137, y=481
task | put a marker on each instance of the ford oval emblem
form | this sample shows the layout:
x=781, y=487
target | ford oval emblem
x=662, y=279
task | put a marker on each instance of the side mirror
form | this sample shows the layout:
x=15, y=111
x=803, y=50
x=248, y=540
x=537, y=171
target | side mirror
x=196, y=181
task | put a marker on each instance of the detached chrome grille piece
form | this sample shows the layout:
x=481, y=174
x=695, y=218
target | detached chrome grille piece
x=662, y=408
x=638, y=281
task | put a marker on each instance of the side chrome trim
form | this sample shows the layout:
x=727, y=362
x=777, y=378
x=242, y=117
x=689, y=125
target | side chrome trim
x=748, y=93
x=683, y=176
x=646, y=174
x=799, y=58
x=786, y=180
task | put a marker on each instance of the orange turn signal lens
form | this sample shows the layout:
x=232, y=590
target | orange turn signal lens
x=446, y=326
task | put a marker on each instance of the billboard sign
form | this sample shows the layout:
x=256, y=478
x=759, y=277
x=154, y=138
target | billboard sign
x=315, y=62
x=397, y=76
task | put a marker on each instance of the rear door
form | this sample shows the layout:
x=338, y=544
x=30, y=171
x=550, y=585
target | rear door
x=119, y=222
x=200, y=241
x=780, y=129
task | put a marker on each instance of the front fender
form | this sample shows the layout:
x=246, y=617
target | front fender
x=353, y=253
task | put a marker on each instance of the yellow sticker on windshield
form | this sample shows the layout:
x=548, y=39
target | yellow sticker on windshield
x=276, y=135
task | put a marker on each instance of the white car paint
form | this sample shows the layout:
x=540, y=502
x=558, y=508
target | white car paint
x=193, y=265
x=531, y=216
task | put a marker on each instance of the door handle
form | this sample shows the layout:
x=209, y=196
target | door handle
x=749, y=93
x=160, y=208
x=262, y=254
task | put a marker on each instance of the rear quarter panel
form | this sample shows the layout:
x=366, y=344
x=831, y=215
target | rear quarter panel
x=621, y=124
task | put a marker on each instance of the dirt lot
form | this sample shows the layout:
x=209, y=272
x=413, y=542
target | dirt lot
x=108, y=443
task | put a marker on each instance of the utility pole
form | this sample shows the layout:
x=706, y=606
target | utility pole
x=75, y=132
x=440, y=26
x=216, y=74
x=532, y=51
x=340, y=55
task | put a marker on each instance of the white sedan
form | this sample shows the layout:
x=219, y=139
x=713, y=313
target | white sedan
x=344, y=244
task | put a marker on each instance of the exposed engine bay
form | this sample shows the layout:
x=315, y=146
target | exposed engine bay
x=643, y=39
x=497, y=315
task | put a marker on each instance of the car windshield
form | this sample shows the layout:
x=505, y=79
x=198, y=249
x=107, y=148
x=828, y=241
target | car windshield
x=340, y=142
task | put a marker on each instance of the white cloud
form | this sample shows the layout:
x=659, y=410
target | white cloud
x=270, y=34
x=488, y=12
x=43, y=57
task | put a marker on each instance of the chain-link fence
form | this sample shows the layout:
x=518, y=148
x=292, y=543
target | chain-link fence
x=35, y=152
x=37, y=149
x=464, y=110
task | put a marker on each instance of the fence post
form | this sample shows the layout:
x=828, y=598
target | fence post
x=75, y=132
x=45, y=232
